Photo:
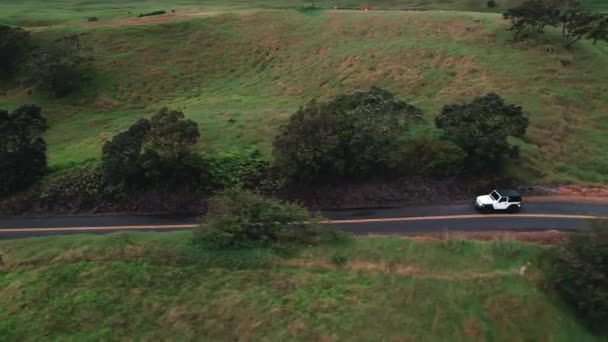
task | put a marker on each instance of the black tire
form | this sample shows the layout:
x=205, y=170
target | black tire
x=512, y=209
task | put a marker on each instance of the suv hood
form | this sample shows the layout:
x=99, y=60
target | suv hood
x=485, y=200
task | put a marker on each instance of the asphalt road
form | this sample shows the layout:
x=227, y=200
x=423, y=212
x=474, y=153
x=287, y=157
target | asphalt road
x=411, y=219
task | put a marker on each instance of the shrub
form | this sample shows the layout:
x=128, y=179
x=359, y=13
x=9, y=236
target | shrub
x=81, y=188
x=351, y=137
x=62, y=66
x=581, y=275
x=339, y=260
x=22, y=150
x=241, y=219
x=492, y=4
x=15, y=43
x=92, y=19
x=481, y=129
x=243, y=168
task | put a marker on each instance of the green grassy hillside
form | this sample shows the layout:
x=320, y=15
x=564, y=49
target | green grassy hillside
x=241, y=74
x=154, y=286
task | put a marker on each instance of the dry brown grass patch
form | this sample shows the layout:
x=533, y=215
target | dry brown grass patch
x=356, y=266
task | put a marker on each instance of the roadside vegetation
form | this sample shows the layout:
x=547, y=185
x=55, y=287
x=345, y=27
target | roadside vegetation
x=267, y=74
x=161, y=285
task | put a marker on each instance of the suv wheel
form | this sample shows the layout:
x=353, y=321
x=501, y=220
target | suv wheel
x=512, y=209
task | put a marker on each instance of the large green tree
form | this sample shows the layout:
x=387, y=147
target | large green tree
x=121, y=155
x=577, y=25
x=62, y=66
x=532, y=16
x=154, y=151
x=22, y=149
x=14, y=46
x=351, y=136
x=481, y=129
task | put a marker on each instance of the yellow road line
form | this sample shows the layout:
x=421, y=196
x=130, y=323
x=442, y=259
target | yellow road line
x=460, y=217
x=353, y=221
x=111, y=228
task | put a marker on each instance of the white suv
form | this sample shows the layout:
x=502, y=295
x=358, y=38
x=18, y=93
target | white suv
x=508, y=200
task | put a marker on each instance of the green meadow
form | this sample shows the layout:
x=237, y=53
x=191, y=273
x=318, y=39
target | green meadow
x=154, y=286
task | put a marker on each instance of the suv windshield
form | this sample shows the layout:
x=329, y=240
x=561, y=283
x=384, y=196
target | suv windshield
x=495, y=195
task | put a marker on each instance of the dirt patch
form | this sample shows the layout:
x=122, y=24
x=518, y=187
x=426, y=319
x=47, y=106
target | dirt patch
x=549, y=237
x=587, y=191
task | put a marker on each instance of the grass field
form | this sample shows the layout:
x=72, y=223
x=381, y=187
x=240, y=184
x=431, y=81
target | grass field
x=241, y=77
x=156, y=286
x=42, y=13
x=39, y=13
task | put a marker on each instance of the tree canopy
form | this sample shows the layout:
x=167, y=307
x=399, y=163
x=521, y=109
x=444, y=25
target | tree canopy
x=351, y=136
x=481, y=129
x=152, y=150
x=14, y=46
x=61, y=66
x=22, y=150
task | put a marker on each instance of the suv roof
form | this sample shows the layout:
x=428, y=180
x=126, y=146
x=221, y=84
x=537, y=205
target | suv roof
x=508, y=193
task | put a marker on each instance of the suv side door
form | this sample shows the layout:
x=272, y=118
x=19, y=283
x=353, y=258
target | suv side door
x=502, y=203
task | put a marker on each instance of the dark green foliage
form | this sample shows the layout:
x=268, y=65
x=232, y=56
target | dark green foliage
x=121, y=156
x=62, y=66
x=339, y=260
x=168, y=149
x=242, y=219
x=154, y=152
x=532, y=16
x=351, y=137
x=432, y=158
x=151, y=14
x=244, y=168
x=22, y=150
x=15, y=43
x=92, y=19
x=599, y=32
x=481, y=129
x=492, y=4
x=581, y=275
x=577, y=25
x=171, y=136
x=76, y=189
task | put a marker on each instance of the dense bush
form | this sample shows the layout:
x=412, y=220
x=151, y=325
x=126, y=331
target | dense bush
x=481, y=129
x=62, y=66
x=15, y=44
x=432, y=158
x=158, y=151
x=351, y=137
x=22, y=150
x=81, y=188
x=244, y=168
x=241, y=219
x=581, y=275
